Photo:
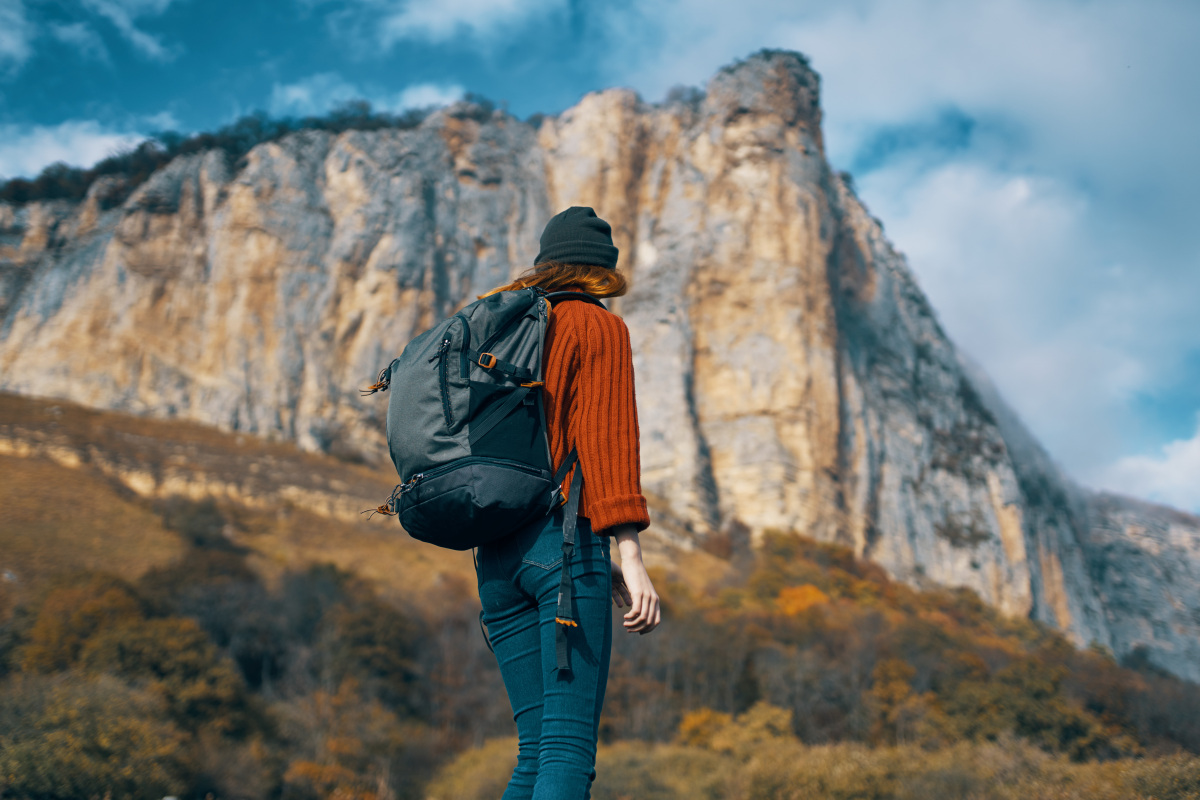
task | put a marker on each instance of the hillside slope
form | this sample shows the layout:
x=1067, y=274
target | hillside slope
x=792, y=375
x=88, y=490
x=203, y=595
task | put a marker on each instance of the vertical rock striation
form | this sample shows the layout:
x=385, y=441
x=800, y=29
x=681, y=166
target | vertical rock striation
x=792, y=375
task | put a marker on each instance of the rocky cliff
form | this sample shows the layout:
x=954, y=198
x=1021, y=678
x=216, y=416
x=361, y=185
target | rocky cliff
x=791, y=374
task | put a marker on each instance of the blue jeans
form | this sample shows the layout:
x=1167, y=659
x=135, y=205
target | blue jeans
x=557, y=713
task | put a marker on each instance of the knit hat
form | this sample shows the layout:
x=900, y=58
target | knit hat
x=578, y=236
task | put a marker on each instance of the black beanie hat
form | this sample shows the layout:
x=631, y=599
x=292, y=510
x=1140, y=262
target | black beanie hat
x=578, y=236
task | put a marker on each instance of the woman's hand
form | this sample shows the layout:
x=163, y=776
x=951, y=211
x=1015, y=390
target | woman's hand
x=632, y=586
x=620, y=590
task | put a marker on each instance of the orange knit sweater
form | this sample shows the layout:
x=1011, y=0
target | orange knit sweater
x=590, y=405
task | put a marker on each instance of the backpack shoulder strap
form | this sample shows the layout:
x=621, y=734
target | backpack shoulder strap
x=564, y=615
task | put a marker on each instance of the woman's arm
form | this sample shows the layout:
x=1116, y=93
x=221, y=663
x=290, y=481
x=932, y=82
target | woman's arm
x=632, y=585
x=608, y=446
x=606, y=424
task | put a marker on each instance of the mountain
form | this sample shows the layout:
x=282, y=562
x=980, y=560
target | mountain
x=791, y=374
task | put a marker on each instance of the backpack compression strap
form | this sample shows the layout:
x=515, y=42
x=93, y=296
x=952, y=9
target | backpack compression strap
x=564, y=617
x=489, y=361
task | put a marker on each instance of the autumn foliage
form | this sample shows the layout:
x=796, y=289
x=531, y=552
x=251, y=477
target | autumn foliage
x=802, y=673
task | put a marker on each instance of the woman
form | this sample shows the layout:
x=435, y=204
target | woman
x=589, y=402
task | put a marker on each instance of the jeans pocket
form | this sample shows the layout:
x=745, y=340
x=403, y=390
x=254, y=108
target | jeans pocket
x=546, y=557
x=540, y=545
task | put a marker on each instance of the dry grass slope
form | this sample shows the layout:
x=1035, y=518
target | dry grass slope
x=61, y=513
x=55, y=521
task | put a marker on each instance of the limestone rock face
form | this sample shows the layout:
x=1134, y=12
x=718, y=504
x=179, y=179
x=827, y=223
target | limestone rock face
x=791, y=374
x=1147, y=577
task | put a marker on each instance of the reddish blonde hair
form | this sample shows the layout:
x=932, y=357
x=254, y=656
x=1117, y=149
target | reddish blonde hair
x=554, y=276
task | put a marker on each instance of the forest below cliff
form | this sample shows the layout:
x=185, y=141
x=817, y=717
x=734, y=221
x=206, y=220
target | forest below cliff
x=791, y=670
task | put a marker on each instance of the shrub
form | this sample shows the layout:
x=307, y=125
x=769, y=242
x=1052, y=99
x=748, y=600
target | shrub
x=71, y=737
x=174, y=658
x=662, y=772
x=479, y=773
x=71, y=613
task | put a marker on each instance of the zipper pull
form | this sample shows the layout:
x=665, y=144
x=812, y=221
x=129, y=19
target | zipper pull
x=412, y=483
x=388, y=508
x=381, y=384
x=441, y=353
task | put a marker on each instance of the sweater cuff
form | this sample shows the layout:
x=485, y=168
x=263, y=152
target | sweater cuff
x=629, y=509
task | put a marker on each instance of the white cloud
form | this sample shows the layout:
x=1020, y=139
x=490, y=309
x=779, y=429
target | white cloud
x=16, y=34
x=1000, y=237
x=1173, y=477
x=313, y=95
x=123, y=14
x=444, y=19
x=392, y=21
x=82, y=37
x=319, y=93
x=26, y=149
x=162, y=121
x=1017, y=279
x=1085, y=81
x=423, y=95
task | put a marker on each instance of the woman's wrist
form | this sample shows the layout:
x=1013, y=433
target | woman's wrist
x=628, y=544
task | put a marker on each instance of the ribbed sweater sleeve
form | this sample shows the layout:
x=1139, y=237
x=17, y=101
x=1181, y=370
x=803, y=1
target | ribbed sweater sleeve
x=592, y=407
x=607, y=436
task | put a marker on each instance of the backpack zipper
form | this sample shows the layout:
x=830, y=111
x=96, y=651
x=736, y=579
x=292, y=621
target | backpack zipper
x=458, y=462
x=464, y=371
x=444, y=381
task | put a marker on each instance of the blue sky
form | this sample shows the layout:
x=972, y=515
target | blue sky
x=1035, y=159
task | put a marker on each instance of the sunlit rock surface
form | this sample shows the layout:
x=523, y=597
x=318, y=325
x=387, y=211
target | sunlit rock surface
x=791, y=374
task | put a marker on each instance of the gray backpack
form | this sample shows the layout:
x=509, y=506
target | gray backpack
x=467, y=430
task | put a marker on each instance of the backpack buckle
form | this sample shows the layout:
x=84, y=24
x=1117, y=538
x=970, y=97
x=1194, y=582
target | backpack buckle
x=487, y=360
